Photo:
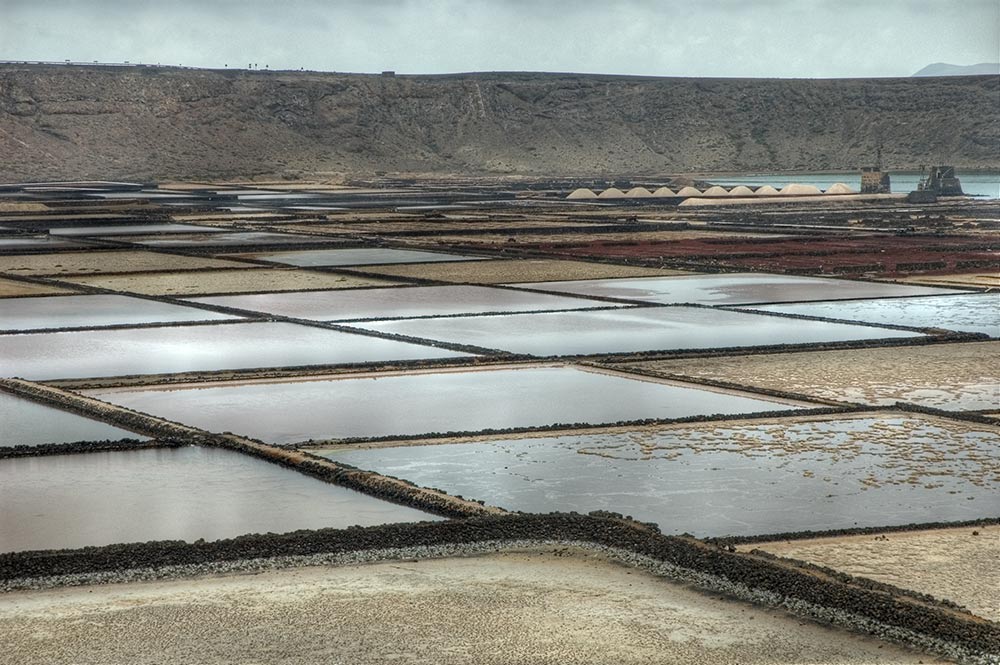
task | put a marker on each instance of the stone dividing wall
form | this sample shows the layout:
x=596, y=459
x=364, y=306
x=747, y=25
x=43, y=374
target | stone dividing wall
x=792, y=584
x=368, y=482
x=727, y=541
x=104, y=445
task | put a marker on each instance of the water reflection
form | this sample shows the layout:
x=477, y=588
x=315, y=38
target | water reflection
x=717, y=480
x=186, y=493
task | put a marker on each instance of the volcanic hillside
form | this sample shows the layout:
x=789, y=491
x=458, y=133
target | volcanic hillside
x=78, y=122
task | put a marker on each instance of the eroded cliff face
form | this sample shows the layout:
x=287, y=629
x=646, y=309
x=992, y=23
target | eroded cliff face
x=155, y=123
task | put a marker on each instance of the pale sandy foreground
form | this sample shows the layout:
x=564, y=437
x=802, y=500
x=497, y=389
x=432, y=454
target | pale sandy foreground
x=946, y=563
x=524, y=607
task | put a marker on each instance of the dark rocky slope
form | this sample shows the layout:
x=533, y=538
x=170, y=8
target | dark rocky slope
x=75, y=122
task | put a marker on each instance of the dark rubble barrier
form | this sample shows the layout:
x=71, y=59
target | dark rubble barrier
x=883, y=610
x=73, y=447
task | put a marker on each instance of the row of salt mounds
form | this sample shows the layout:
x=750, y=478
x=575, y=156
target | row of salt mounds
x=583, y=193
x=688, y=191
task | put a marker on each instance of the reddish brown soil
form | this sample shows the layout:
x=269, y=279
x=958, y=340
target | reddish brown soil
x=886, y=254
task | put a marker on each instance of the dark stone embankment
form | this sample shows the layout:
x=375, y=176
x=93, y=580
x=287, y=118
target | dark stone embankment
x=880, y=609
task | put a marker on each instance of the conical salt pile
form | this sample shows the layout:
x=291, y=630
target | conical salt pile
x=638, y=193
x=611, y=193
x=796, y=189
x=716, y=191
x=689, y=191
x=840, y=188
x=664, y=191
x=766, y=190
x=582, y=193
x=741, y=190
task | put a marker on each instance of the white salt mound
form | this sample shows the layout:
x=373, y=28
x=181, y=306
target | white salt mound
x=689, y=191
x=797, y=189
x=612, y=193
x=840, y=188
x=741, y=190
x=638, y=193
x=582, y=193
x=716, y=191
x=664, y=191
x=766, y=190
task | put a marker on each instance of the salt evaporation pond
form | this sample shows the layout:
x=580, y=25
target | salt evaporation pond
x=67, y=501
x=127, y=351
x=726, y=479
x=31, y=242
x=27, y=423
x=974, y=312
x=629, y=330
x=231, y=240
x=128, y=229
x=312, y=258
x=733, y=289
x=398, y=303
x=95, y=310
x=421, y=403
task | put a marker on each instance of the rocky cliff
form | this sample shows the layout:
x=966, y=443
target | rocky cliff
x=76, y=122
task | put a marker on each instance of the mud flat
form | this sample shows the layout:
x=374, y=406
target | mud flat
x=399, y=303
x=629, y=330
x=200, y=347
x=975, y=313
x=72, y=263
x=406, y=404
x=948, y=376
x=228, y=281
x=961, y=565
x=10, y=288
x=27, y=423
x=564, y=605
x=500, y=271
x=724, y=478
x=734, y=289
x=352, y=257
x=100, y=498
x=95, y=310
x=15, y=243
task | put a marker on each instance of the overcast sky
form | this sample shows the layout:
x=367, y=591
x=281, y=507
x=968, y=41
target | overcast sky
x=754, y=38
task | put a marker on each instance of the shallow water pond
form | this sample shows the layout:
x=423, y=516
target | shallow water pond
x=188, y=493
x=715, y=480
x=27, y=423
x=129, y=229
x=120, y=352
x=974, y=312
x=420, y=403
x=357, y=257
x=95, y=310
x=229, y=240
x=733, y=289
x=629, y=330
x=398, y=303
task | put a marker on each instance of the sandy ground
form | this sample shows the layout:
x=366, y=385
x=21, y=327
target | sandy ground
x=517, y=607
x=228, y=281
x=442, y=226
x=982, y=279
x=949, y=376
x=12, y=289
x=947, y=563
x=68, y=263
x=517, y=270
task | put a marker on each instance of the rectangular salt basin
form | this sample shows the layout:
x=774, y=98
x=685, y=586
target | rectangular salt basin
x=67, y=501
x=726, y=479
x=128, y=229
x=357, y=257
x=973, y=312
x=230, y=240
x=629, y=330
x=32, y=242
x=733, y=289
x=421, y=403
x=95, y=310
x=398, y=303
x=121, y=352
x=27, y=423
